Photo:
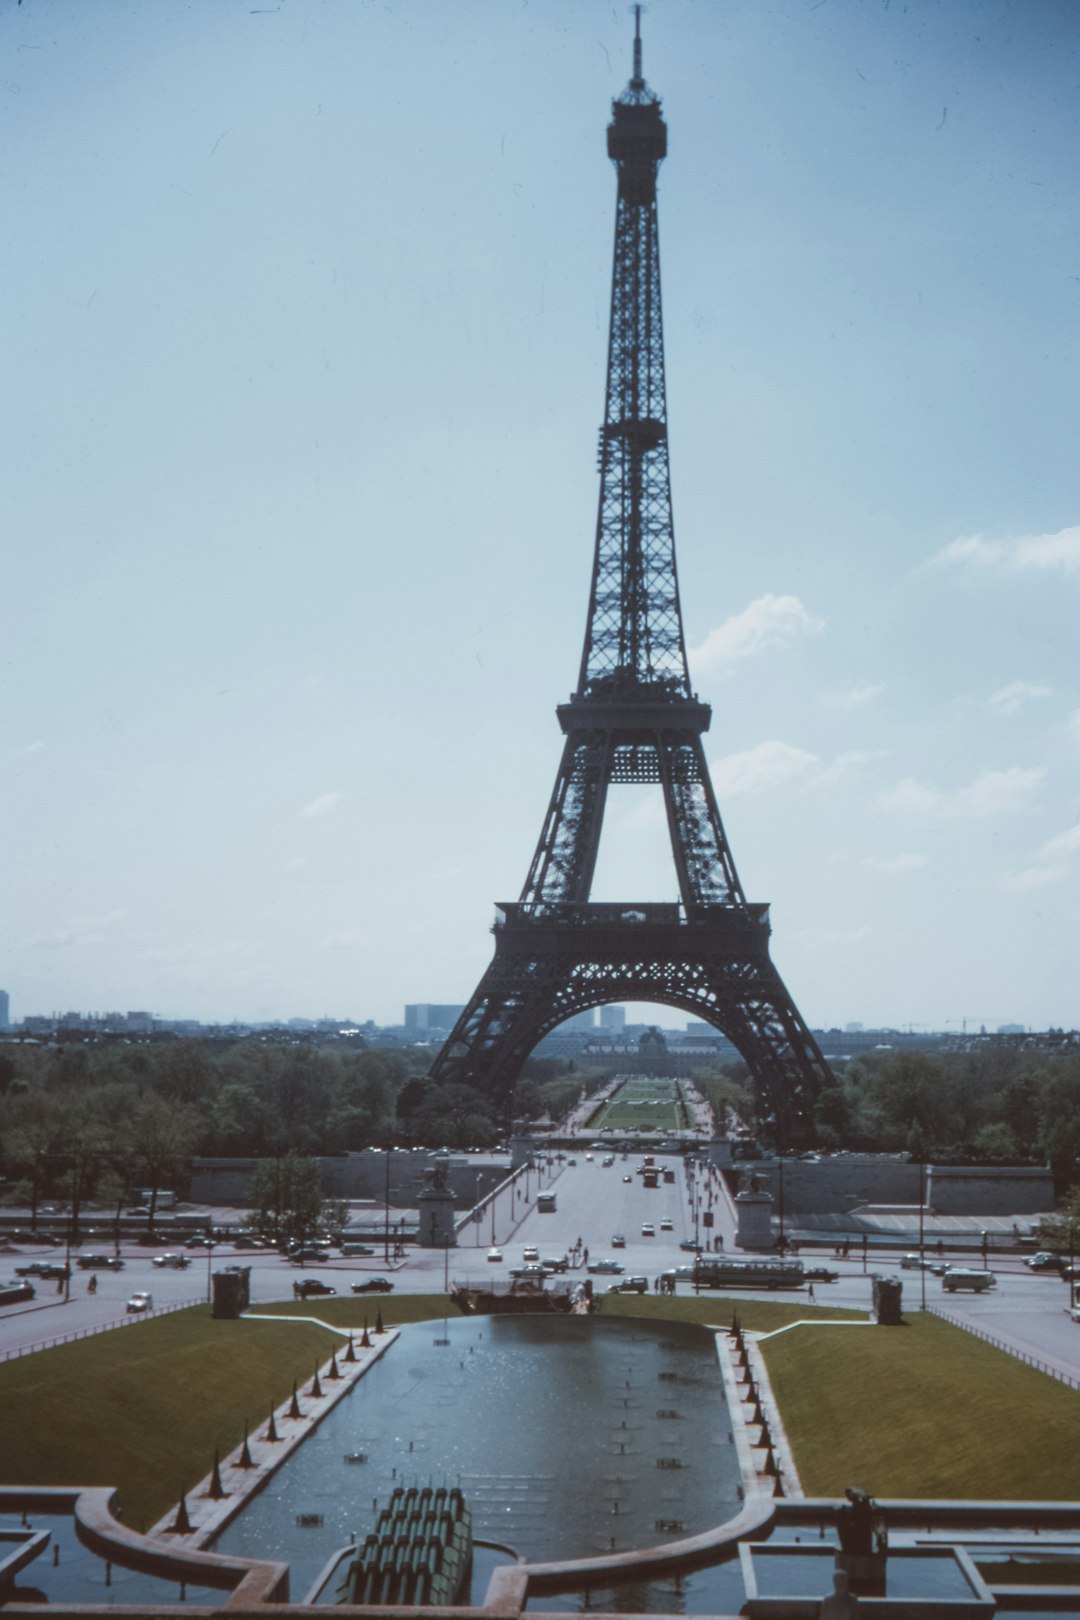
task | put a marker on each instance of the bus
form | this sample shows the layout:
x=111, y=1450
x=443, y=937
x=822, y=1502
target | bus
x=717, y=1272
x=545, y=1203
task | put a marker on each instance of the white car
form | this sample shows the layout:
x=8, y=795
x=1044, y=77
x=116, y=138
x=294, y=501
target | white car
x=140, y=1303
x=494, y=1255
x=178, y=1262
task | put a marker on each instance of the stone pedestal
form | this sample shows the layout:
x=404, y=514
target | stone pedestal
x=435, y=1206
x=754, y=1212
x=232, y=1292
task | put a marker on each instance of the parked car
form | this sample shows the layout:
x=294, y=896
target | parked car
x=99, y=1262
x=140, y=1303
x=373, y=1285
x=174, y=1260
x=44, y=1269
x=602, y=1268
x=630, y=1285
x=15, y=1291
x=495, y=1256
x=308, y=1286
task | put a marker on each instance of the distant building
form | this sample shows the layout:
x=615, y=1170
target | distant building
x=1011, y=1029
x=425, y=1017
x=5, y=1010
x=613, y=1018
x=581, y=1020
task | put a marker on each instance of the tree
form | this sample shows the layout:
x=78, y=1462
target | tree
x=287, y=1202
x=162, y=1134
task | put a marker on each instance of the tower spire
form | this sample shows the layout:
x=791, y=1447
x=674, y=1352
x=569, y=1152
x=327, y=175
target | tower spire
x=637, y=81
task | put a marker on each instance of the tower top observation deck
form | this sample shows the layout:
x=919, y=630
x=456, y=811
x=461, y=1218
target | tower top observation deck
x=637, y=135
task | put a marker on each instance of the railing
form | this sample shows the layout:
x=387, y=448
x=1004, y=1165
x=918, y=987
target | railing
x=1009, y=1349
x=100, y=1327
x=586, y=914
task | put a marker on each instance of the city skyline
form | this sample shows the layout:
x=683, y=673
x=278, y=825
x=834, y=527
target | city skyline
x=310, y=345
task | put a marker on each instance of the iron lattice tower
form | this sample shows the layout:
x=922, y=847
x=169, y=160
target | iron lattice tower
x=635, y=718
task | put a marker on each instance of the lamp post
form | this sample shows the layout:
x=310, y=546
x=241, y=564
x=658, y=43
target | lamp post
x=922, y=1234
x=386, y=1205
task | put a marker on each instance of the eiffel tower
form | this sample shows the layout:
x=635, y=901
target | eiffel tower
x=634, y=718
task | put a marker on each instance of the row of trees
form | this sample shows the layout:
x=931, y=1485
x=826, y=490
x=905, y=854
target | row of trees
x=92, y=1123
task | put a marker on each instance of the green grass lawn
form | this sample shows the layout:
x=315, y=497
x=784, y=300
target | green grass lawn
x=757, y=1315
x=645, y=1104
x=144, y=1407
x=922, y=1410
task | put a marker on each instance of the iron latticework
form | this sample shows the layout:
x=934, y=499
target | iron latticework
x=634, y=718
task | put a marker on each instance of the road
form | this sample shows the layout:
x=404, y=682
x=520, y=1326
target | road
x=594, y=1202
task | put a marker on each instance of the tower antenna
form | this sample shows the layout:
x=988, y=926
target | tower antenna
x=638, y=80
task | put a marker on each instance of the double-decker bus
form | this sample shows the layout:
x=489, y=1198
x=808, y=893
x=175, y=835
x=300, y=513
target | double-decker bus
x=714, y=1271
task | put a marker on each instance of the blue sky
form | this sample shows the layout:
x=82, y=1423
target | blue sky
x=305, y=327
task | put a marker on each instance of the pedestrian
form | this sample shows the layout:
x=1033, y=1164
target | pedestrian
x=91, y=1287
x=585, y=1257
x=811, y=1293
x=720, y=1244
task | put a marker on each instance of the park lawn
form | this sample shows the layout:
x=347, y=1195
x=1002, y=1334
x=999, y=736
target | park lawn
x=923, y=1410
x=143, y=1408
x=756, y=1315
x=353, y=1310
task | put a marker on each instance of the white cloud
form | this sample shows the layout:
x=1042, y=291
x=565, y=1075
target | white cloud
x=855, y=697
x=769, y=624
x=323, y=805
x=1033, y=877
x=1021, y=554
x=1065, y=844
x=1009, y=700
x=894, y=865
x=769, y=765
x=79, y=931
x=994, y=793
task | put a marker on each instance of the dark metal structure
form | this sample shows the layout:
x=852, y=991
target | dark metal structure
x=634, y=718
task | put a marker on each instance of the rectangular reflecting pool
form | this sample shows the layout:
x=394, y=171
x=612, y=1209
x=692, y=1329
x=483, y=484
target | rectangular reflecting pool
x=569, y=1436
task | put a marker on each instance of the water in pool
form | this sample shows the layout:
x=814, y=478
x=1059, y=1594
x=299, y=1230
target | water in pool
x=570, y=1436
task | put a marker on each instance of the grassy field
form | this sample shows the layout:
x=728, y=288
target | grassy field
x=757, y=1315
x=143, y=1408
x=644, y=1104
x=922, y=1410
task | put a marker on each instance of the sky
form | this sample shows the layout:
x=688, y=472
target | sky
x=304, y=331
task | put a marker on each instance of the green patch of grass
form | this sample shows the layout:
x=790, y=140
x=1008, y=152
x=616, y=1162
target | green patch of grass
x=143, y=1408
x=922, y=1410
x=757, y=1315
x=353, y=1310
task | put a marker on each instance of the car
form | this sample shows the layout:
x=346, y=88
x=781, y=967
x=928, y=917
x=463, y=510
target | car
x=1045, y=1260
x=531, y=1252
x=630, y=1285
x=666, y=1226
x=244, y=1240
x=588, y=1158
x=556, y=1263
x=648, y=1229
x=571, y=1164
x=45, y=1269
x=309, y=1286
x=627, y=1180
x=308, y=1255
x=820, y=1274
x=602, y=1268
x=618, y=1241
x=140, y=1303
x=531, y=1269
x=16, y=1290
x=607, y=1161
x=99, y=1262
x=915, y=1262
x=174, y=1260
x=692, y=1246
x=200, y=1241
x=495, y=1256
x=373, y=1285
